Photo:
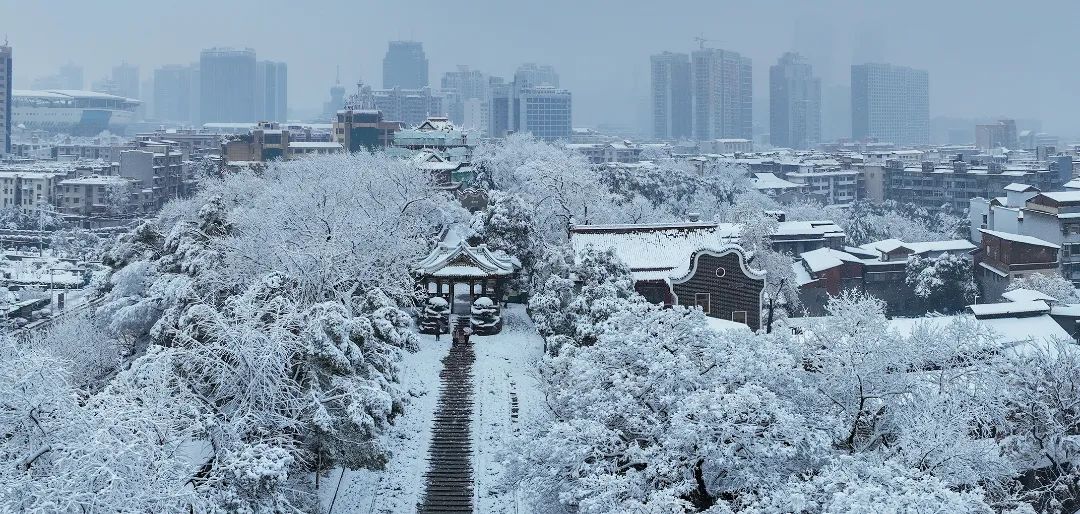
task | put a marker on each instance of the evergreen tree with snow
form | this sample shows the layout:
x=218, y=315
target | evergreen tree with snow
x=485, y=318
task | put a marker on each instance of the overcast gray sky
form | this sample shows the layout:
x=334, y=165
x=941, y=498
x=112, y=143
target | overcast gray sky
x=985, y=58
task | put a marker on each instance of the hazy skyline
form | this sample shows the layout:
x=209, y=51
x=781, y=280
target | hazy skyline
x=983, y=60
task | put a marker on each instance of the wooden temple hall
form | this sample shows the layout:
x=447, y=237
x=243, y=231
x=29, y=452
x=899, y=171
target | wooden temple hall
x=461, y=273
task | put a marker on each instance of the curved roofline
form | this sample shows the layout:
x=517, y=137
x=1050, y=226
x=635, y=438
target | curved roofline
x=69, y=93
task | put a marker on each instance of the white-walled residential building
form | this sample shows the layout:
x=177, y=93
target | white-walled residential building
x=600, y=153
x=1053, y=217
x=102, y=196
x=28, y=191
x=730, y=145
x=833, y=186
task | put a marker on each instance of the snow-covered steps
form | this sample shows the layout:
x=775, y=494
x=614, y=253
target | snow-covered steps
x=449, y=477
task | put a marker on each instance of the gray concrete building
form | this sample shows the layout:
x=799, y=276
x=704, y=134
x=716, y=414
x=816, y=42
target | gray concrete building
x=723, y=94
x=5, y=99
x=176, y=93
x=794, y=103
x=227, y=78
x=405, y=65
x=271, y=91
x=890, y=103
x=672, y=99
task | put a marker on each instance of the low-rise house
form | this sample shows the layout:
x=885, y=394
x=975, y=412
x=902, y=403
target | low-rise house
x=1004, y=257
x=692, y=264
x=878, y=268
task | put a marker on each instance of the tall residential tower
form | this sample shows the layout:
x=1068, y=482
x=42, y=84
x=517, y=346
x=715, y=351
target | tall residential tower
x=794, y=103
x=672, y=103
x=227, y=81
x=405, y=66
x=890, y=103
x=723, y=98
x=5, y=99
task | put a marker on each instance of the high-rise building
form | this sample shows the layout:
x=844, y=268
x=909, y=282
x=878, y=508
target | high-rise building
x=672, y=102
x=409, y=106
x=71, y=75
x=462, y=86
x=533, y=75
x=405, y=66
x=836, y=112
x=271, y=91
x=126, y=78
x=175, y=87
x=5, y=99
x=997, y=135
x=337, y=99
x=227, y=85
x=890, y=103
x=543, y=111
x=794, y=103
x=723, y=94
x=499, y=111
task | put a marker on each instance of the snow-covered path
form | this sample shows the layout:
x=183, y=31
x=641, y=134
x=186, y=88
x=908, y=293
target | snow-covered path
x=506, y=379
x=398, y=488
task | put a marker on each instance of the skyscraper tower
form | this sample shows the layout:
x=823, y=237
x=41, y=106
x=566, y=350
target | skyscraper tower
x=227, y=85
x=5, y=98
x=890, y=103
x=126, y=78
x=794, y=103
x=672, y=103
x=405, y=66
x=723, y=94
x=271, y=91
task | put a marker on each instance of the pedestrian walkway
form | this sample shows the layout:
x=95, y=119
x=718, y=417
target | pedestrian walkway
x=449, y=476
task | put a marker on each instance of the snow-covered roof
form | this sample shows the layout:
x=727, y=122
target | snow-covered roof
x=1017, y=187
x=1027, y=295
x=826, y=258
x=1072, y=184
x=771, y=181
x=885, y=245
x=1062, y=196
x=462, y=260
x=1009, y=308
x=952, y=245
x=655, y=251
x=315, y=144
x=1019, y=238
x=819, y=228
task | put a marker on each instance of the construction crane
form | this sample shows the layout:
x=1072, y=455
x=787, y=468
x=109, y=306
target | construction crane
x=701, y=40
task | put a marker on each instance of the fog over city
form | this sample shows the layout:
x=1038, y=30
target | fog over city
x=985, y=59
x=540, y=257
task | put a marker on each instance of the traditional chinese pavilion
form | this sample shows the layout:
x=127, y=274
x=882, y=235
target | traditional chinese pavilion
x=461, y=273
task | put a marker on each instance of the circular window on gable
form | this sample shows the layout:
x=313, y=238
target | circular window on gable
x=720, y=272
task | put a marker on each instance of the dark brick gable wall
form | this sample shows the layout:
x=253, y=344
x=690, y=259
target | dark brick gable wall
x=735, y=291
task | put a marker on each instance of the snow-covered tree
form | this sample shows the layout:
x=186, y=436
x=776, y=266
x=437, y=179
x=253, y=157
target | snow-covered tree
x=945, y=283
x=436, y=316
x=484, y=316
x=1050, y=284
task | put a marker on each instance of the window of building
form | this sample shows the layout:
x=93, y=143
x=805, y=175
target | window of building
x=703, y=300
x=738, y=316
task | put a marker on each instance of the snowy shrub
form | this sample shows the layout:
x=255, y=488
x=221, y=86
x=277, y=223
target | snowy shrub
x=435, y=316
x=484, y=316
x=946, y=283
x=1050, y=284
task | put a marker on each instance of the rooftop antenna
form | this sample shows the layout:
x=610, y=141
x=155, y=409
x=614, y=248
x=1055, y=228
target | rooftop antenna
x=337, y=75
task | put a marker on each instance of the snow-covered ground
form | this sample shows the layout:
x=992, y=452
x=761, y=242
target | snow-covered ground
x=399, y=487
x=506, y=368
